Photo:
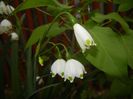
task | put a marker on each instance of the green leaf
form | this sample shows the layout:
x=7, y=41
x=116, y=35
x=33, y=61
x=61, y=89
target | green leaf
x=121, y=87
x=99, y=18
x=118, y=1
x=33, y=4
x=126, y=5
x=128, y=44
x=52, y=8
x=40, y=3
x=40, y=31
x=109, y=55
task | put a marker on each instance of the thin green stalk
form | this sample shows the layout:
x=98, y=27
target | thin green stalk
x=15, y=82
x=43, y=88
x=41, y=41
x=29, y=68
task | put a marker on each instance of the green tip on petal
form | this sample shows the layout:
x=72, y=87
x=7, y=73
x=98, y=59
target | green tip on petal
x=81, y=76
x=53, y=74
x=87, y=42
x=70, y=79
x=62, y=74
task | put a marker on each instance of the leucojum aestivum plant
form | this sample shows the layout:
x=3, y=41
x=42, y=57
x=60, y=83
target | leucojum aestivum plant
x=81, y=51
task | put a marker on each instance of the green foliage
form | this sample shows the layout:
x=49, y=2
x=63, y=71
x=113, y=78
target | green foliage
x=39, y=3
x=109, y=59
x=109, y=54
x=127, y=5
x=33, y=4
x=121, y=87
x=128, y=45
x=124, y=5
x=41, y=31
x=127, y=38
x=99, y=18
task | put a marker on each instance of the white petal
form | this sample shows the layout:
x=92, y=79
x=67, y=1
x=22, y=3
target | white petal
x=14, y=36
x=5, y=25
x=58, y=67
x=79, y=68
x=82, y=32
x=70, y=71
x=80, y=42
x=74, y=69
x=2, y=7
x=83, y=37
x=10, y=9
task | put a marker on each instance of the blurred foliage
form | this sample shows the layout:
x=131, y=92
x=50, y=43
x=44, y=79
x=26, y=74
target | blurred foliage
x=109, y=64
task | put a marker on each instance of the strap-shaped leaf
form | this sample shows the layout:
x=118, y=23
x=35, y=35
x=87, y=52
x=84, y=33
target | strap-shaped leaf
x=27, y=4
x=40, y=31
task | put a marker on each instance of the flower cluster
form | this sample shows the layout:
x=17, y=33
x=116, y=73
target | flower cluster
x=6, y=9
x=83, y=37
x=68, y=69
x=6, y=27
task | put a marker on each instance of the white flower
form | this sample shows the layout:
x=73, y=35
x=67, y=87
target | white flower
x=39, y=80
x=14, y=36
x=74, y=69
x=10, y=9
x=5, y=26
x=58, y=67
x=2, y=7
x=83, y=37
x=6, y=9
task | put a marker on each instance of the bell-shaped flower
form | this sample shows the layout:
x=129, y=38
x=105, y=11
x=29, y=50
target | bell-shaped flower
x=14, y=36
x=6, y=9
x=9, y=9
x=73, y=69
x=58, y=67
x=2, y=7
x=83, y=37
x=5, y=26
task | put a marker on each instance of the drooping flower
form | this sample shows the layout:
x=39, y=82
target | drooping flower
x=14, y=36
x=10, y=9
x=2, y=7
x=5, y=26
x=58, y=67
x=83, y=37
x=73, y=69
x=6, y=9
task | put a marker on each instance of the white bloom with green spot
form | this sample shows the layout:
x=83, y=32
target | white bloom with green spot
x=83, y=37
x=58, y=67
x=73, y=69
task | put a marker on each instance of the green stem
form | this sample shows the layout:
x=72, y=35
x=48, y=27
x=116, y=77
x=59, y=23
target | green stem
x=67, y=53
x=30, y=85
x=59, y=54
x=73, y=20
x=15, y=81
